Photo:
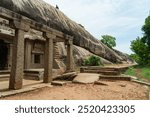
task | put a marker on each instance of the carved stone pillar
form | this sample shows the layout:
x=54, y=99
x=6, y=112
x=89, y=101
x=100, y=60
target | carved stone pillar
x=70, y=66
x=17, y=68
x=48, y=62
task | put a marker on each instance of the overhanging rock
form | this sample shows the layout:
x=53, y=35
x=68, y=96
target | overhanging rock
x=44, y=13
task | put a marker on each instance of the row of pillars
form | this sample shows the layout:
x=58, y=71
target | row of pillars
x=17, y=69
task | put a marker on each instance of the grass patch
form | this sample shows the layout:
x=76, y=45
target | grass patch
x=145, y=72
x=131, y=72
x=139, y=71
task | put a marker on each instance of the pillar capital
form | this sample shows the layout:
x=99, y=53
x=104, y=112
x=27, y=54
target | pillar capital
x=67, y=37
x=69, y=40
x=49, y=35
x=20, y=25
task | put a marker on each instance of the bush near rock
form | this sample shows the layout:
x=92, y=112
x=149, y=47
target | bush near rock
x=92, y=61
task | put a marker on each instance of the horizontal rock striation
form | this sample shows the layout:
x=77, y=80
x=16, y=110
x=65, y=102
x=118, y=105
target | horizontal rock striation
x=46, y=14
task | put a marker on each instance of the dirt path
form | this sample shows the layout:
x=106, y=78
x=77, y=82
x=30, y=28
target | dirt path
x=120, y=90
x=138, y=74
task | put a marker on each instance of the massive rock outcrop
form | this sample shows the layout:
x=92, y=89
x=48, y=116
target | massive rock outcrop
x=44, y=13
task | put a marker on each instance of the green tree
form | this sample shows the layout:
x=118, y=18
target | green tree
x=146, y=30
x=108, y=40
x=141, y=46
x=135, y=57
x=141, y=51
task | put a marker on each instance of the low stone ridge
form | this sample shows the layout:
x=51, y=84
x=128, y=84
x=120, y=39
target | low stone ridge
x=141, y=82
x=43, y=13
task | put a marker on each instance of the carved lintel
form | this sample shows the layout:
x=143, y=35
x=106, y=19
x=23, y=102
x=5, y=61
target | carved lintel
x=49, y=35
x=20, y=25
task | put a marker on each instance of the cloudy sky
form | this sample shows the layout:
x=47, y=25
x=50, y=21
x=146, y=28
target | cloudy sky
x=122, y=19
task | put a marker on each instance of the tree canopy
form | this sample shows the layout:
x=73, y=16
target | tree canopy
x=146, y=30
x=108, y=40
x=141, y=46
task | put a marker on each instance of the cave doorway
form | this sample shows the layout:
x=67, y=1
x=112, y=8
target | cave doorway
x=3, y=55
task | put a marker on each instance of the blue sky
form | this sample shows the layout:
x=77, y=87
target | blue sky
x=122, y=19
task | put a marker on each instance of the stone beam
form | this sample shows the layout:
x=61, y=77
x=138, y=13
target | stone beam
x=10, y=15
x=48, y=62
x=58, y=39
x=16, y=76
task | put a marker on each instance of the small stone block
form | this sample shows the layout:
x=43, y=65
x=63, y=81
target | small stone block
x=58, y=83
x=122, y=85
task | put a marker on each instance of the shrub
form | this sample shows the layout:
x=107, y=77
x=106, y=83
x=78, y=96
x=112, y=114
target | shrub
x=92, y=61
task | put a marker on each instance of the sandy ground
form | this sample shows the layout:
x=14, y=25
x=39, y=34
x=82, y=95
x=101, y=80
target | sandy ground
x=120, y=90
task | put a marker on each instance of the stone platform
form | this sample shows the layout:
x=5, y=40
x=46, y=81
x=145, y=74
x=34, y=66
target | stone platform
x=5, y=83
x=28, y=85
x=86, y=78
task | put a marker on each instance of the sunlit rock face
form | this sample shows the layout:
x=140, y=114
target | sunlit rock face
x=46, y=14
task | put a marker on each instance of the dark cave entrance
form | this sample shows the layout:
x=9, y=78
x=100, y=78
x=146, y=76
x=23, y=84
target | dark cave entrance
x=3, y=55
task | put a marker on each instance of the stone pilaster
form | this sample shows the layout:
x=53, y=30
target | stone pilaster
x=48, y=62
x=70, y=66
x=17, y=68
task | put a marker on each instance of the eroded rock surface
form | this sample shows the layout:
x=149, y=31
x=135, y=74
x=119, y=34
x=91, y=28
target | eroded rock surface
x=46, y=14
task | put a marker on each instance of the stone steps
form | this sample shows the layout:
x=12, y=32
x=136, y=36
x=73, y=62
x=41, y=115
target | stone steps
x=34, y=74
x=117, y=77
x=3, y=72
x=109, y=72
x=114, y=71
x=104, y=72
x=119, y=69
x=99, y=68
x=4, y=77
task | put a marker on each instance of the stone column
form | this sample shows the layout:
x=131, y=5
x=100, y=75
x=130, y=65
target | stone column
x=27, y=54
x=17, y=68
x=54, y=50
x=48, y=61
x=70, y=66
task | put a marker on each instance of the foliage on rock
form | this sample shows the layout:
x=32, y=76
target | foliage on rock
x=108, y=40
x=93, y=61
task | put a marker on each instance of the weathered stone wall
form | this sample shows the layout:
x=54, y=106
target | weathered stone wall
x=79, y=54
